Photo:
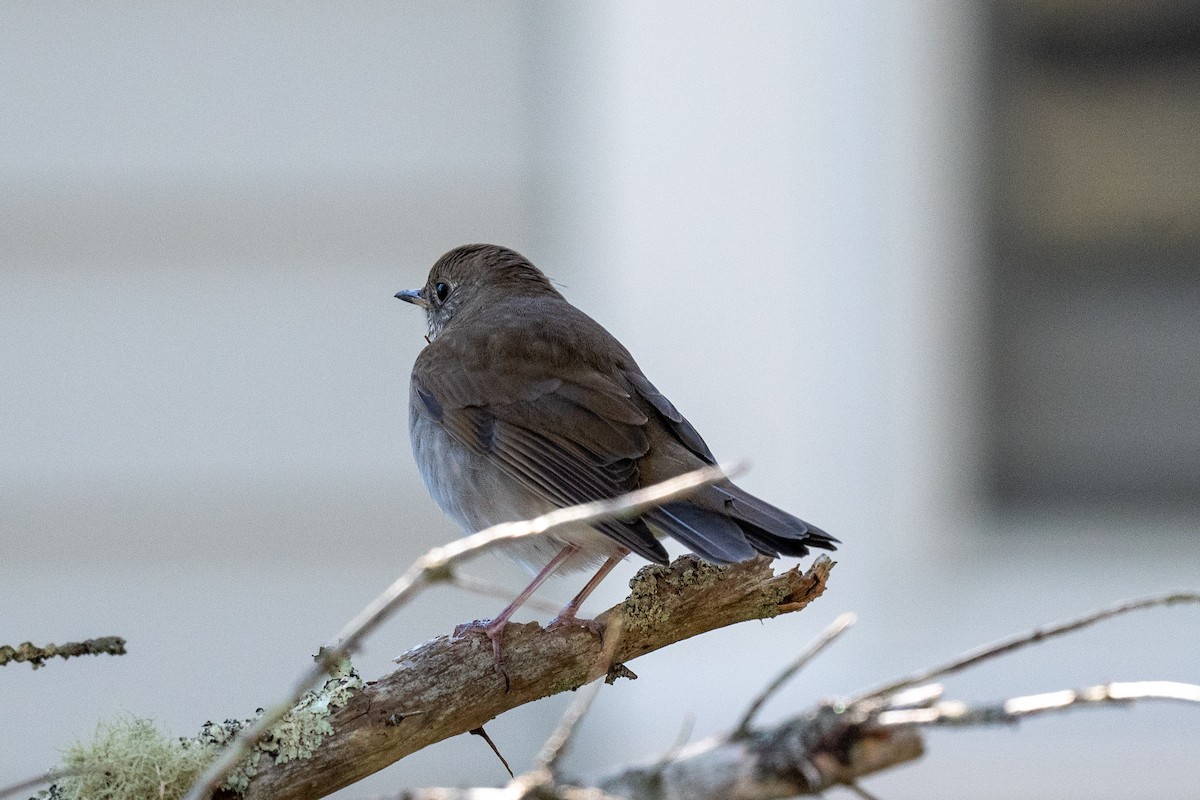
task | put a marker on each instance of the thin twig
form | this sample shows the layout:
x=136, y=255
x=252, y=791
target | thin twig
x=558, y=742
x=482, y=734
x=826, y=638
x=681, y=741
x=1016, y=642
x=438, y=564
x=860, y=791
x=949, y=712
x=37, y=656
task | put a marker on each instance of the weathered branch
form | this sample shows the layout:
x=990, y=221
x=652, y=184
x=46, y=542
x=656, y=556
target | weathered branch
x=37, y=656
x=1012, y=710
x=837, y=743
x=1004, y=646
x=805, y=755
x=438, y=565
x=448, y=686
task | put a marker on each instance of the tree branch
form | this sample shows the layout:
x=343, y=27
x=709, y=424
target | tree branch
x=808, y=754
x=1008, y=712
x=37, y=656
x=1035, y=636
x=837, y=743
x=447, y=686
x=438, y=565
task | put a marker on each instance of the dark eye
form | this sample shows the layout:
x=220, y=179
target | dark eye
x=442, y=290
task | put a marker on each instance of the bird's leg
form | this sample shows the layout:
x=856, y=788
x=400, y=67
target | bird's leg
x=567, y=615
x=494, y=628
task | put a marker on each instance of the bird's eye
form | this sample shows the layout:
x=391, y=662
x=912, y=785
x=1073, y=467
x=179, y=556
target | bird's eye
x=442, y=290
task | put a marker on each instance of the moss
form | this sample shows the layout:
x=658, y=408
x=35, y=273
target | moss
x=133, y=760
x=130, y=758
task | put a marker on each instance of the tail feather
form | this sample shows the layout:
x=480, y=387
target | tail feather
x=724, y=524
x=707, y=534
x=773, y=522
x=766, y=542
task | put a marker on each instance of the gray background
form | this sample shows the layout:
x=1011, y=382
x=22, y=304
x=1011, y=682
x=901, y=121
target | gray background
x=204, y=213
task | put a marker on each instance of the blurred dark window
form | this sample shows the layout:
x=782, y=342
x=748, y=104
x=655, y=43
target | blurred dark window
x=1095, y=235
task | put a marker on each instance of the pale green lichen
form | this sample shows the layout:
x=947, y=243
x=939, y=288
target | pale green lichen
x=300, y=732
x=216, y=735
x=133, y=760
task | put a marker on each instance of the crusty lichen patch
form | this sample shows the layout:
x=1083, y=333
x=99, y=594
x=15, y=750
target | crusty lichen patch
x=299, y=733
x=654, y=590
x=133, y=760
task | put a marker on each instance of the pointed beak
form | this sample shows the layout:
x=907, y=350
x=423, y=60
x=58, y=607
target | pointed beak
x=414, y=296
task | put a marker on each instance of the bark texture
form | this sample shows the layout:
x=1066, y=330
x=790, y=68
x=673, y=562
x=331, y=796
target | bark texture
x=448, y=686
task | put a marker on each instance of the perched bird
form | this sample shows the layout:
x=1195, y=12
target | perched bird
x=521, y=404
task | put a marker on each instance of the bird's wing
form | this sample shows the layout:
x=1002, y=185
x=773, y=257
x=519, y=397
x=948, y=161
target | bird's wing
x=680, y=428
x=723, y=522
x=570, y=438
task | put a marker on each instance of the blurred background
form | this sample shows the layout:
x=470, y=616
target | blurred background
x=931, y=267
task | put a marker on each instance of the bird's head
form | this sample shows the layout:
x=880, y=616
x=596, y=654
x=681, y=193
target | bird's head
x=472, y=277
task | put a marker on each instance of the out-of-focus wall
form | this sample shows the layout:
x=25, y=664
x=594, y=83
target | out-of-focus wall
x=202, y=426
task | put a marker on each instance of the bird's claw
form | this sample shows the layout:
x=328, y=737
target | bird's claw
x=495, y=633
x=565, y=619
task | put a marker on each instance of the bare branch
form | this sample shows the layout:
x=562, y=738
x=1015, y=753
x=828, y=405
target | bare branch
x=437, y=565
x=681, y=741
x=805, y=755
x=826, y=638
x=840, y=743
x=452, y=682
x=834, y=745
x=1005, y=646
x=949, y=712
x=37, y=656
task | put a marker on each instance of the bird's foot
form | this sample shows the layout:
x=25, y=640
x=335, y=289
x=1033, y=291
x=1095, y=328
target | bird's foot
x=568, y=618
x=494, y=631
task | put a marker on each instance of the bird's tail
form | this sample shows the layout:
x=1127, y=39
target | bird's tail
x=723, y=524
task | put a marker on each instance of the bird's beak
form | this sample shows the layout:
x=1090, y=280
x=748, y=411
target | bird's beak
x=414, y=296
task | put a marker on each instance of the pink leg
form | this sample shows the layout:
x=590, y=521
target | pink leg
x=567, y=615
x=494, y=628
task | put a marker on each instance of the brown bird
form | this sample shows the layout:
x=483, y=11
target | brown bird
x=521, y=404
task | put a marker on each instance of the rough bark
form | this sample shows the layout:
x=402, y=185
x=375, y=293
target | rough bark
x=803, y=756
x=448, y=686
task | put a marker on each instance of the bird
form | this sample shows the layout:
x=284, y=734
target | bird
x=520, y=404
